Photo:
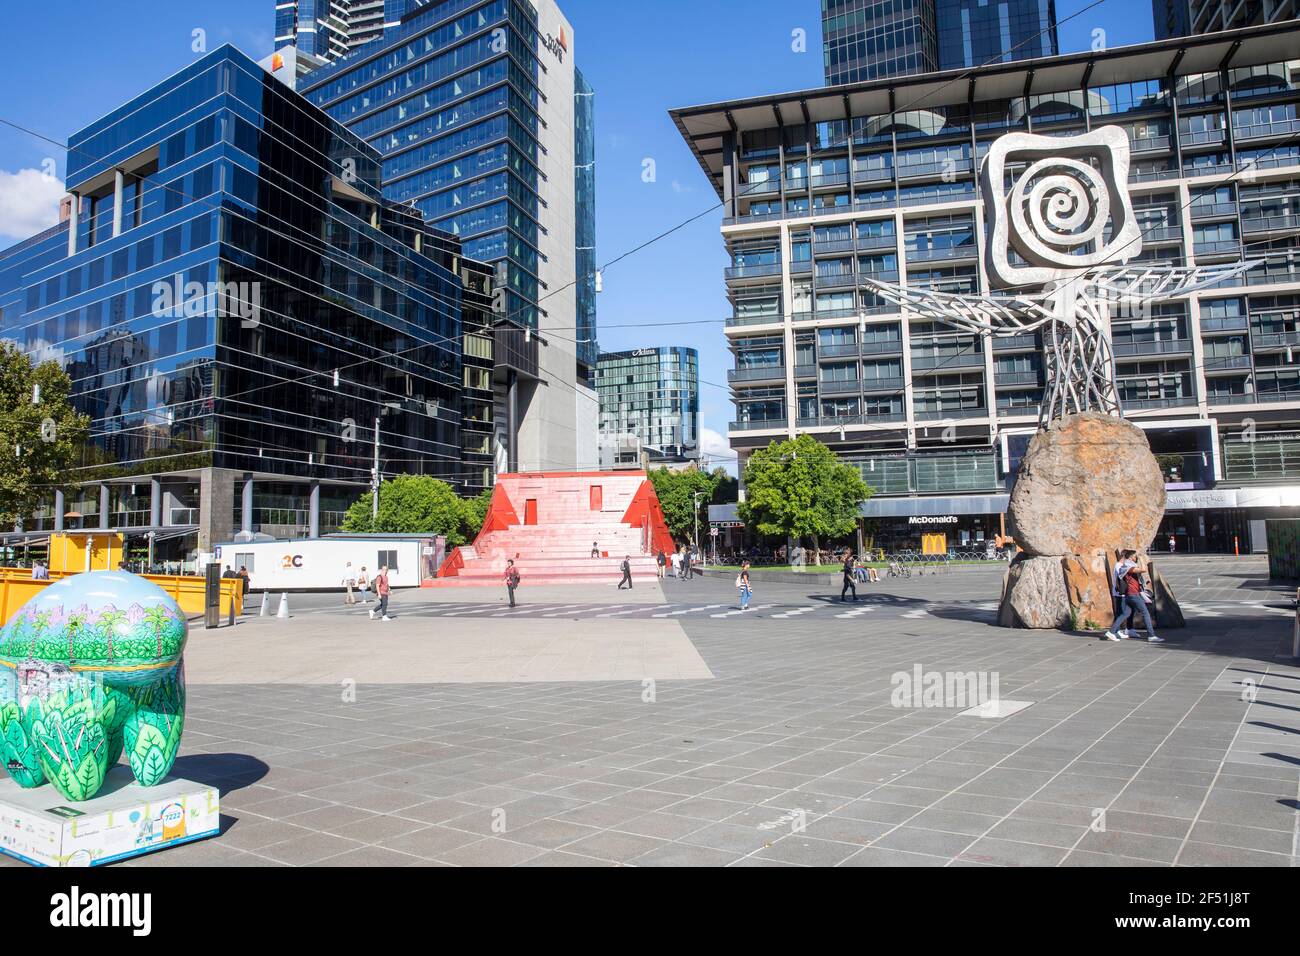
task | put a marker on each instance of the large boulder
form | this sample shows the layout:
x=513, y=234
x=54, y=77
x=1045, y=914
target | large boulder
x=1088, y=483
x=1035, y=593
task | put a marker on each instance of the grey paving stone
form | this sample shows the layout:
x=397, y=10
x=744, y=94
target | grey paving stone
x=1008, y=853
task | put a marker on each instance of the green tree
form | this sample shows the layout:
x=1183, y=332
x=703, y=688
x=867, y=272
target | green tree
x=411, y=504
x=41, y=435
x=676, y=491
x=476, y=510
x=799, y=489
x=726, y=489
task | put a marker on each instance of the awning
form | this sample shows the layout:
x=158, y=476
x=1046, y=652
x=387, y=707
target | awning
x=950, y=505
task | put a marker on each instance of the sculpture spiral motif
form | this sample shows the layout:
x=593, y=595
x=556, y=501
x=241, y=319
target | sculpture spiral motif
x=1058, y=206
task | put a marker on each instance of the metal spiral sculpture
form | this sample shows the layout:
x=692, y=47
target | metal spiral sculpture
x=1062, y=233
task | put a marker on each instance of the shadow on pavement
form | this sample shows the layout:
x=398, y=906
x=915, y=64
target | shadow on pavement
x=226, y=772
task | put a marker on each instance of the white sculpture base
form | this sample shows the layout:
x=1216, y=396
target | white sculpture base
x=123, y=820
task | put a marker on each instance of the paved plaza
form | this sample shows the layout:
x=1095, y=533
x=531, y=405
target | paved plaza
x=591, y=727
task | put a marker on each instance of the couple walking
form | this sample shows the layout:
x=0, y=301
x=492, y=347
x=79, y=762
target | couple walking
x=1129, y=585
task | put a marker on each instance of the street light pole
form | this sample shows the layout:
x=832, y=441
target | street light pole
x=374, y=477
x=695, y=515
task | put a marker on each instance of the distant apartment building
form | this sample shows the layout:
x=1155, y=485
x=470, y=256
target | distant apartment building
x=826, y=187
x=1180, y=18
x=649, y=406
x=870, y=39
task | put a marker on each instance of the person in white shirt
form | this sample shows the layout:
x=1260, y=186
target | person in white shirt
x=677, y=564
x=349, y=582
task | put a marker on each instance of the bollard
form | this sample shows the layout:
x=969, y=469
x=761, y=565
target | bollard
x=266, y=604
x=284, y=605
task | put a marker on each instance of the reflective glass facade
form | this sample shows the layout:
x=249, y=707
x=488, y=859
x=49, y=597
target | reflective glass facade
x=584, y=213
x=243, y=302
x=649, y=399
x=449, y=100
x=873, y=39
x=317, y=27
x=975, y=32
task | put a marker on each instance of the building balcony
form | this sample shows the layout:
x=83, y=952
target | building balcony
x=805, y=371
x=932, y=363
x=1012, y=343
x=942, y=254
x=1151, y=175
x=873, y=175
x=770, y=424
x=1025, y=411
x=1201, y=137
x=884, y=347
x=882, y=384
x=770, y=373
x=1267, y=341
x=826, y=180
x=1273, y=275
x=1264, y=130
x=932, y=415
x=1261, y=224
x=745, y=219
x=1216, y=170
x=1225, y=363
x=1030, y=377
x=752, y=271
x=801, y=268
x=866, y=243
x=776, y=318
x=849, y=387
x=837, y=280
x=764, y=187
x=838, y=351
x=1213, y=210
x=1161, y=234
x=1221, y=248
x=1149, y=144
x=1142, y=404
x=925, y=170
x=1231, y=323
x=1162, y=347
x=831, y=247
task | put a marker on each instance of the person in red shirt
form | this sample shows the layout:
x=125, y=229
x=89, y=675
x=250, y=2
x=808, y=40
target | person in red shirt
x=1132, y=599
x=511, y=579
x=381, y=591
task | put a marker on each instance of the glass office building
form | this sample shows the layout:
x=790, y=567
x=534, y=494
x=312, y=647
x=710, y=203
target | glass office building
x=824, y=188
x=237, y=306
x=318, y=28
x=484, y=125
x=874, y=39
x=649, y=402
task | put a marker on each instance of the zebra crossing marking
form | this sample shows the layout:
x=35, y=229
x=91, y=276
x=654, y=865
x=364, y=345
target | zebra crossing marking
x=634, y=610
x=797, y=611
x=690, y=610
x=735, y=611
x=855, y=612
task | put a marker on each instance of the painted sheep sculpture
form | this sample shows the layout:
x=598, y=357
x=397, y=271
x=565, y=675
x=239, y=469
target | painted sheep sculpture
x=91, y=664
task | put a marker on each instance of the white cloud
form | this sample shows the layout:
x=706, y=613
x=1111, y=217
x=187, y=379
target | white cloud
x=680, y=189
x=29, y=202
x=715, y=451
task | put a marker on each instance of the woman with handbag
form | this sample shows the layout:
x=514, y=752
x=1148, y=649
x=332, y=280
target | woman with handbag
x=742, y=584
x=1133, y=597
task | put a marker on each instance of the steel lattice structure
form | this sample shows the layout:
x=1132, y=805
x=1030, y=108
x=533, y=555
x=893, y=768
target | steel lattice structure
x=1071, y=195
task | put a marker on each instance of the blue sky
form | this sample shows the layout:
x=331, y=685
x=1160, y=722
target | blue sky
x=642, y=59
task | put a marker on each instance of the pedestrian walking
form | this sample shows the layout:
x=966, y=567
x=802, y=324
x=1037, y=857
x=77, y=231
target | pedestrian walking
x=743, y=585
x=688, y=570
x=1173, y=544
x=627, y=573
x=363, y=583
x=849, y=584
x=382, y=591
x=595, y=550
x=677, y=564
x=1135, y=599
x=511, y=579
x=349, y=582
x=660, y=560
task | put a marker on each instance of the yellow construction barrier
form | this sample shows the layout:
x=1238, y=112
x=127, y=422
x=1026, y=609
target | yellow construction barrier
x=17, y=587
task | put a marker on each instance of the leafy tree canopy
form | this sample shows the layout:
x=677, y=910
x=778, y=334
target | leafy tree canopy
x=799, y=488
x=41, y=434
x=416, y=504
x=676, y=491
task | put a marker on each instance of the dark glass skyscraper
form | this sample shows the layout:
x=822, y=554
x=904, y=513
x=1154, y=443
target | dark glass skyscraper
x=1181, y=18
x=484, y=125
x=649, y=402
x=237, y=305
x=976, y=32
x=873, y=39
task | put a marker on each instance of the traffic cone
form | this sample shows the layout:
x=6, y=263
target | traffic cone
x=284, y=605
x=266, y=604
